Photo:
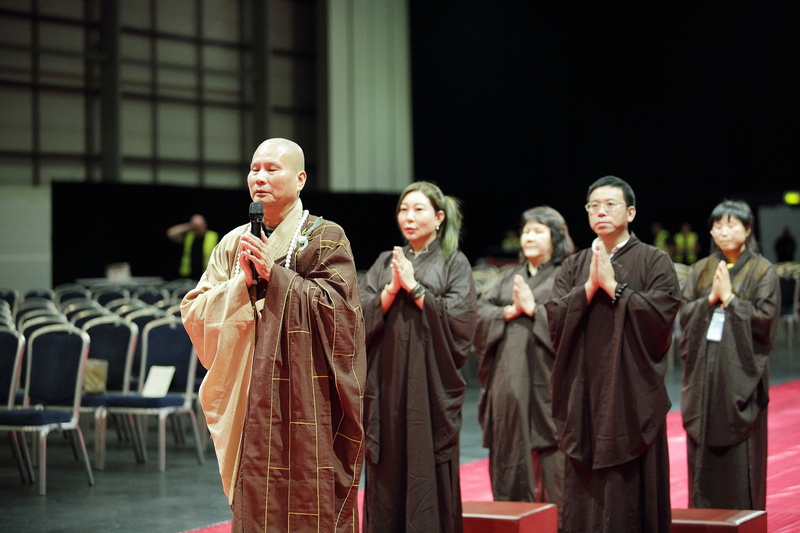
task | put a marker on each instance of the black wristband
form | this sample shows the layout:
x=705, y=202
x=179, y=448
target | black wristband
x=418, y=290
x=617, y=293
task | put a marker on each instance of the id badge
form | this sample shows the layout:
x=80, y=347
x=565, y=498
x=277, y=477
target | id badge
x=715, y=327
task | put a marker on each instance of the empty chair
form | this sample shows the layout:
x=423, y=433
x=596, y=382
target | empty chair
x=140, y=316
x=42, y=292
x=112, y=340
x=12, y=346
x=128, y=306
x=31, y=323
x=30, y=314
x=54, y=370
x=80, y=318
x=34, y=306
x=164, y=343
x=11, y=296
x=69, y=292
x=178, y=288
x=152, y=295
x=104, y=295
x=6, y=315
x=117, y=304
x=76, y=306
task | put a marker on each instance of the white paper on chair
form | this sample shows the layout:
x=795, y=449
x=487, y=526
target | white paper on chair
x=159, y=378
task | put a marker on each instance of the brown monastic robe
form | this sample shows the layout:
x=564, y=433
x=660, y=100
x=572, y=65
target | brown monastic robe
x=414, y=394
x=283, y=395
x=609, y=397
x=515, y=361
x=726, y=384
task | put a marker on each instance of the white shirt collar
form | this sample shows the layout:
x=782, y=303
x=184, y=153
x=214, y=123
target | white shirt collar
x=615, y=249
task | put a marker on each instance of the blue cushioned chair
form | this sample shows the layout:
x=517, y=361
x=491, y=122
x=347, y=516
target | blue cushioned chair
x=107, y=294
x=12, y=348
x=112, y=340
x=70, y=292
x=56, y=362
x=164, y=343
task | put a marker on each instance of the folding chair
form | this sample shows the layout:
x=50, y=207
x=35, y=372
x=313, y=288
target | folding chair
x=56, y=362
x=164, y=343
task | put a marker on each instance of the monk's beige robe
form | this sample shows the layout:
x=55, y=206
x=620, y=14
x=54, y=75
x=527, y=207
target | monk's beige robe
x=221, y=317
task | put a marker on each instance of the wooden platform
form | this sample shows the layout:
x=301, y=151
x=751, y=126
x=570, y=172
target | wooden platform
x=509, y=517
x=718, y=521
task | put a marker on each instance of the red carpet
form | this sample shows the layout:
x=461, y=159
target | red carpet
x=783, y=466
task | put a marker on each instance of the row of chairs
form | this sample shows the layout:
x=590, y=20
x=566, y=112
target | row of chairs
x=130, y=335
x=161, y=295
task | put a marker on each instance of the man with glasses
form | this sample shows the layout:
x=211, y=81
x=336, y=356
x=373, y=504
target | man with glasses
x=611, y=317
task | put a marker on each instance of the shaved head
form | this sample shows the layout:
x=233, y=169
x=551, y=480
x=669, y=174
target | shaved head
x=276, y=177
x=288, y=151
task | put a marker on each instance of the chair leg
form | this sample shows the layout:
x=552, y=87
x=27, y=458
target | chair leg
x=162, y=441
x=26, y=456
x=177, y=429
x=139, y=445
x=43, y=462
x=86, y=463
x=200, y=416
x=100, y=430
x=23, y=461
x=75, y=450
x=200, y=457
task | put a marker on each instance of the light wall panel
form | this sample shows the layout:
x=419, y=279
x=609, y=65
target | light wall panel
x=369, y=96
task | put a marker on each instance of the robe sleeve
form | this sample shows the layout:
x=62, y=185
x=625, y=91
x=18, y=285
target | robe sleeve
x=449, y=320
x=371, y=288
x=491, y=325
x=490, y=331
x=452, y=315
x=219, y=317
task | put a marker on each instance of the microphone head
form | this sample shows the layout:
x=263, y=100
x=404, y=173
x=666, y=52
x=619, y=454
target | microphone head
x=256, y=210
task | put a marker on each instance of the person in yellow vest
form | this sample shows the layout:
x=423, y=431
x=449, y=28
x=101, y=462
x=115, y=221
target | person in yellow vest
x=198, y=242
x=661, y=237
x=686, y=245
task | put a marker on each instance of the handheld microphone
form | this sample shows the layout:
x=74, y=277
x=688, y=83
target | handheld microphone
x=256, y=216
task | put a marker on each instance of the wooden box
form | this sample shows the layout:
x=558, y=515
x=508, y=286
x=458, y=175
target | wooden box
x=509, y=517
x=718, y=521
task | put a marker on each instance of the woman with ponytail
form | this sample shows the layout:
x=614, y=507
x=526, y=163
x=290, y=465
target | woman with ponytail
x=419, y=304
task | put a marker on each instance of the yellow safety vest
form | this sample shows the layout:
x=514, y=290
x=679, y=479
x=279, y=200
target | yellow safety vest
x=210, y=239
x=685, y=246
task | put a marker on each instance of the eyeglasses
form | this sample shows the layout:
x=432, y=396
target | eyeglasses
x=609, y=205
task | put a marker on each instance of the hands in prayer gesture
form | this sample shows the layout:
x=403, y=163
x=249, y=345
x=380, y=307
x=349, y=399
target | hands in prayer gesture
x=721, y=290
x=601, y=273
x=255, y=251
x=402, y=278
x=524, y=302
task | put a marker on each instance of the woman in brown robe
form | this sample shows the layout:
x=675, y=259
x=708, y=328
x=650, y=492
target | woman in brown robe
x=515, y=358
x=419, y=312
x=729, y=315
